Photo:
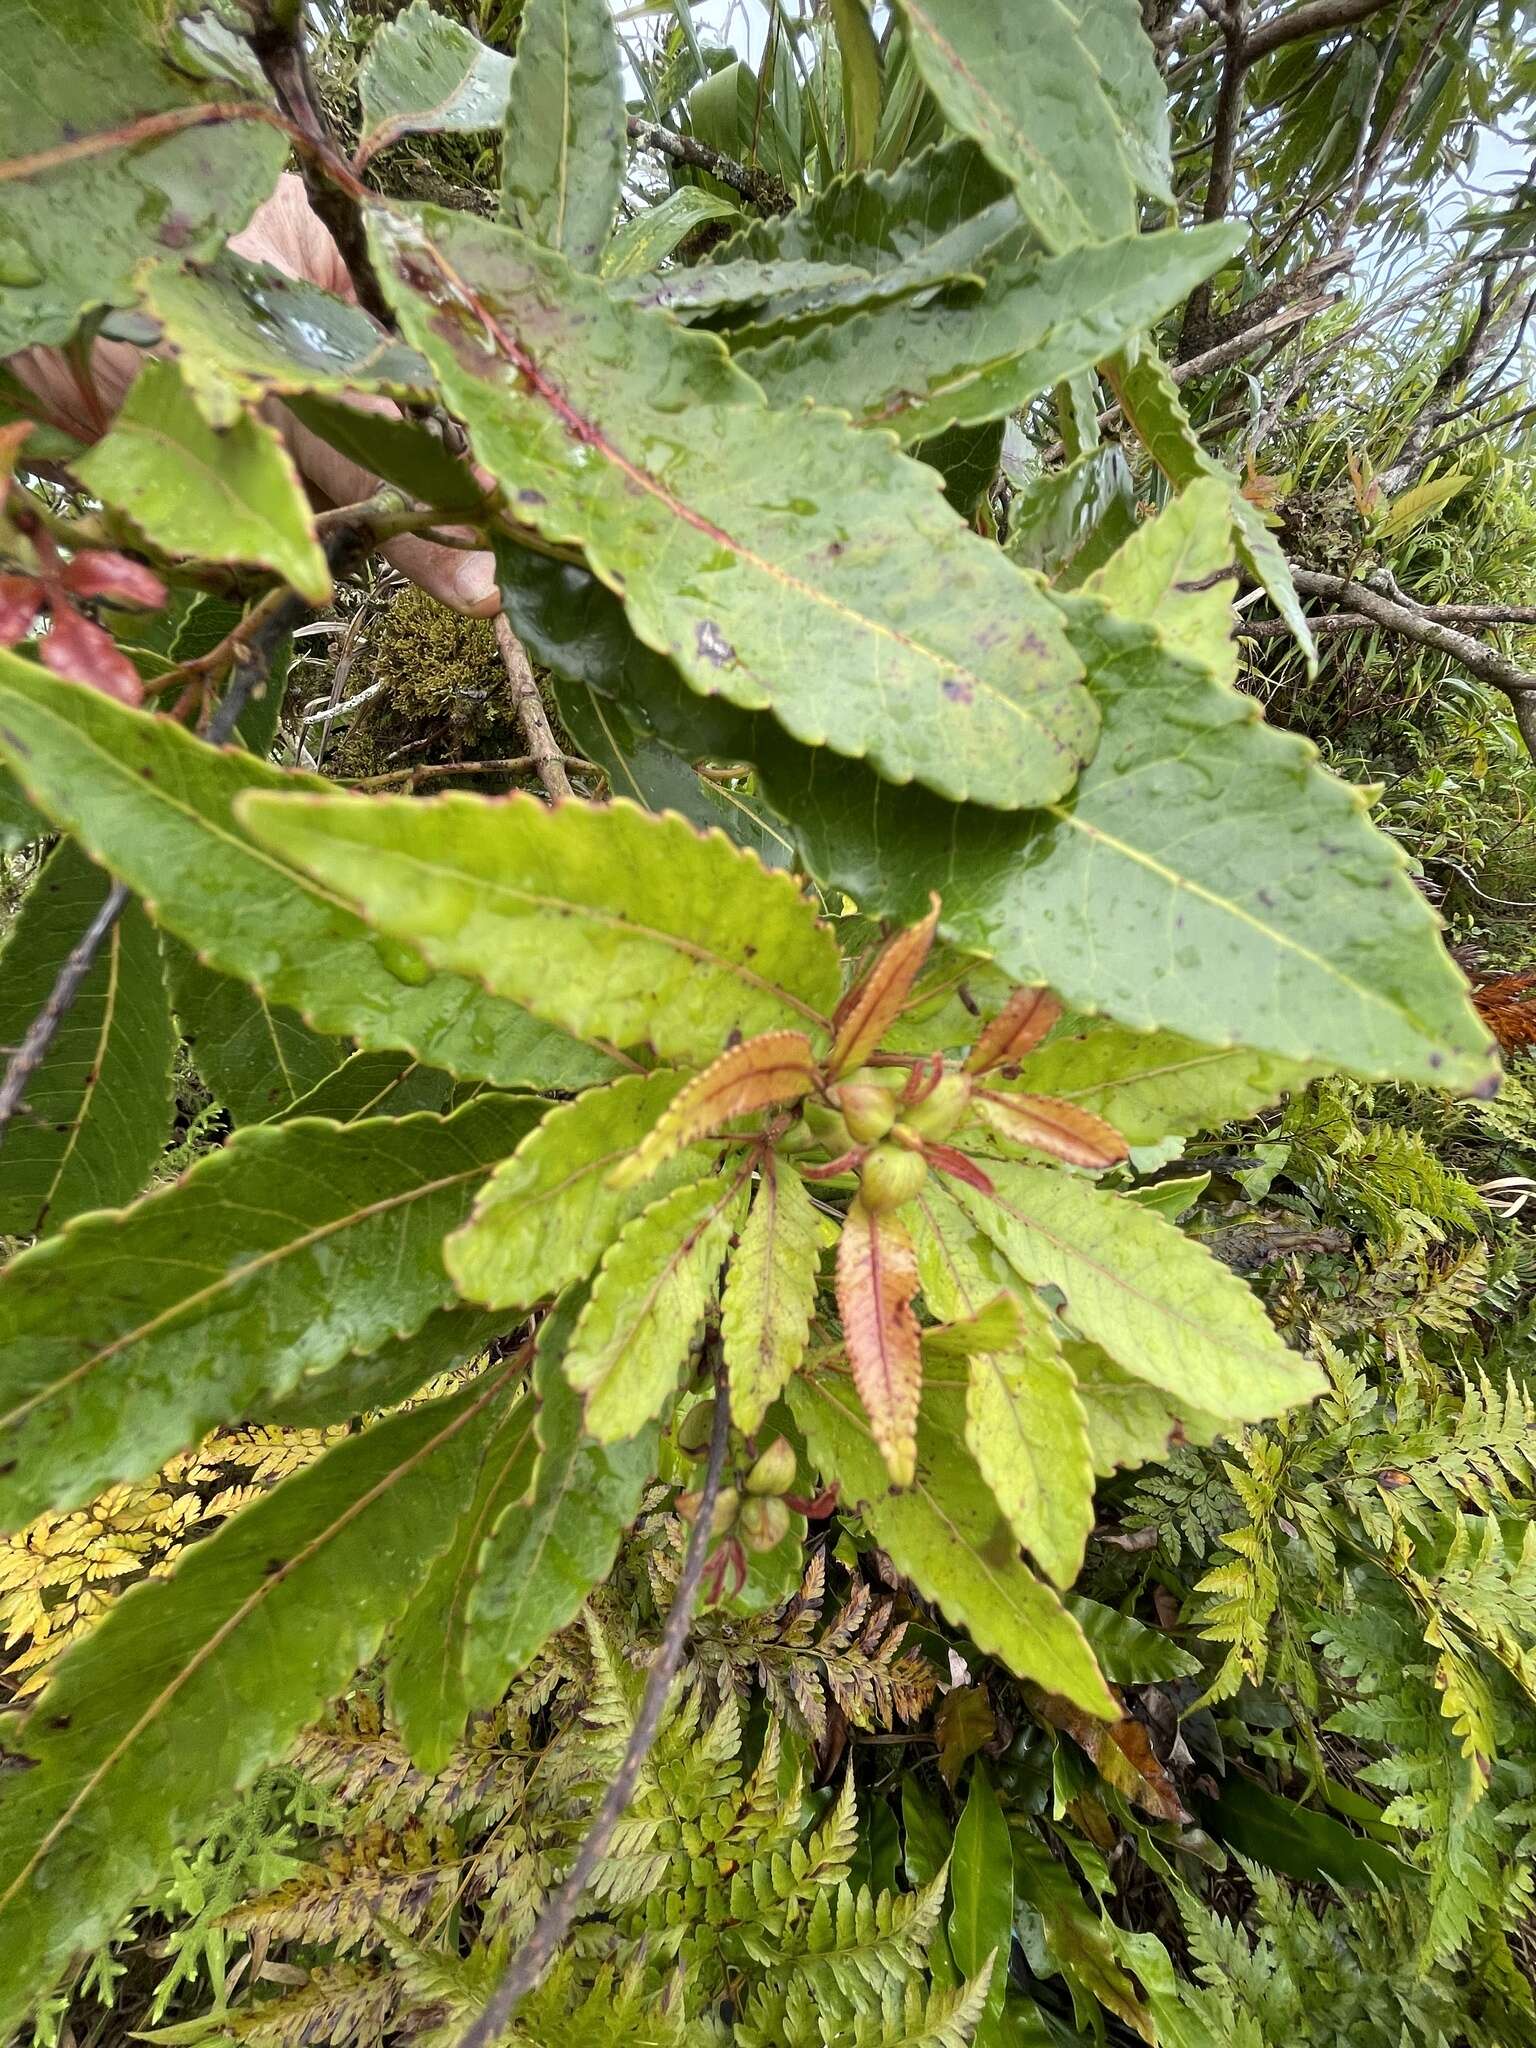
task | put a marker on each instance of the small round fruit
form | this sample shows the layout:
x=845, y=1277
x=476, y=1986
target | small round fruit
x=937, y=1114
x=890, y=1176
x=727, y=1504
x=828, y=1128
x=764, y=1523
x=774, y=1471
x=868, y=1112
x=891, y=1079
x=696, y=1428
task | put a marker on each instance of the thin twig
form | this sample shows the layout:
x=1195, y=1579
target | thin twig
x=518, y=764
x=531, y=715
x=761, y=187
x=560, y=1909
x=33, y=1049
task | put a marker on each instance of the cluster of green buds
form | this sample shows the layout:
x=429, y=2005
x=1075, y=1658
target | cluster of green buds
x=752, y=1515
x=887, y=1124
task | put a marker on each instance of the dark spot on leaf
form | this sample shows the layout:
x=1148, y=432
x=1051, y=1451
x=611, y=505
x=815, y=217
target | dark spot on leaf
x=836, y=548
x=16, y=746
x=176, y=231
x=712, y=644
x=531, y=498
x=273, y=1566
x=1266, y=897
x=956, y=691
x=1483, y=1092
x=1437, y=1059
x=59, y=1721
x=7, y=1468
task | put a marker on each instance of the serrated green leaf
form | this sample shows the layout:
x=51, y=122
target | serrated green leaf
x=1156, y=1301
x=374, y=1084
x=955, y=1265
x=1024, y=1425
x=155, y=806
x=946, y=1534
x=770, y=1292
x=564, y=148
x=981, y=1888
x=136, y=1742
x=1129, y=1422
x=258, y=1060
x=98, y=1107
x=245, y=332
x=646, y=1303
x=233, y=496
x=1027, y=1432
x=1112, y=33
x=424, y=1679
x=85, y=72
x=950, y=666
x=424, y=74
x=363, y=1383
x=747, y=285
x=1153, y=1085
x=547, y=1214
x=655, y=232
x=135, y=1331
x=1150, y=400
x=967, y=357
x=1069, y=522
x=543, y=1557
x=1023, y=82
x=930, y=217
x=663, y=936
x=1301, y=936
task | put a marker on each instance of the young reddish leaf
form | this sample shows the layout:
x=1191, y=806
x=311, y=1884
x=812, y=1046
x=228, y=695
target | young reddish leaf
x=20, y=597
x=1017, y=1029
x=760, y=1073
x=87, y=653
x=1068, y=1133
x=874, y=1002
x=102, y=572
x=876, y=1280
x=959, y=1166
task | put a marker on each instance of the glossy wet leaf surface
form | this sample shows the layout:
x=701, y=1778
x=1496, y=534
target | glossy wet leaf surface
x=610, y=427
x=664, y=935
x=134, y=1743
x=156, y=806
x=75, y=233
x=135, y=1331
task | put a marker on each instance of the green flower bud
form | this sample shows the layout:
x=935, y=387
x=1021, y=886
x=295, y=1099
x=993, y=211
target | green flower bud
x=867, y=1111
x=890, y=1176
x=774, y=1471
x=763, y=1524
x=937, y=1114
x=828, y=1128
x=727, y=1505
x=696, y=1428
